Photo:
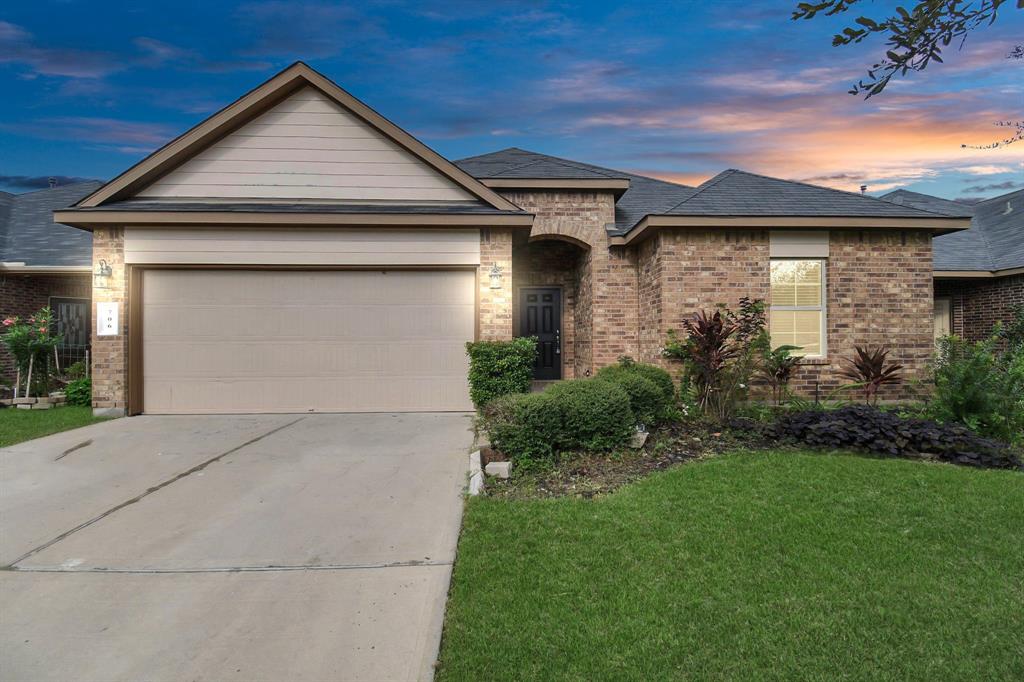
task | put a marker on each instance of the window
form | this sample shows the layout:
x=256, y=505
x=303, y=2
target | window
x=797, y=316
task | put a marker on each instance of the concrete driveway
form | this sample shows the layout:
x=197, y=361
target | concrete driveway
x=272, y=547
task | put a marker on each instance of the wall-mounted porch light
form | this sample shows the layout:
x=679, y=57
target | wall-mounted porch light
x=101, y=278
x=495, y=275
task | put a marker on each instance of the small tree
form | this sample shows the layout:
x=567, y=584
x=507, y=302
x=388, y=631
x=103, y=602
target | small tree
x=31, y=343
x=777, y=368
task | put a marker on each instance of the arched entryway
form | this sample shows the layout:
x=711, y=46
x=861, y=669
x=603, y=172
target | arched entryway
x=551, y=293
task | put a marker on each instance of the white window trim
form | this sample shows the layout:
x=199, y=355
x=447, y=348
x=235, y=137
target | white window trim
x=823, y=306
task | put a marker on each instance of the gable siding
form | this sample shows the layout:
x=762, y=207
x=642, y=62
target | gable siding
x=306, y=147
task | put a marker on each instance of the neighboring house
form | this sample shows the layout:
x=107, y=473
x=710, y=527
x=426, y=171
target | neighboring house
x=299, y=252
x=979, y=273
x=43, y=264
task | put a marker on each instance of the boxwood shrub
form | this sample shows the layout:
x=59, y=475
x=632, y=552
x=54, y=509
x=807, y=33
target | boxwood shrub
x=498, y=368
x=583, y=414
x=650, y=389
x=865, y=427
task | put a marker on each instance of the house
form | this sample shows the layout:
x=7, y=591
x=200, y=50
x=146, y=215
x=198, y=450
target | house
x=297, y=251
x=42, y=264
x=979, y=273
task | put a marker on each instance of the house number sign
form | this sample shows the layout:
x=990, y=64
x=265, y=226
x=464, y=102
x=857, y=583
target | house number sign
x=106, y=319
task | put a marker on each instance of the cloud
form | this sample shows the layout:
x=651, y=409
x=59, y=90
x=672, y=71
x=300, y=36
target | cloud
x=31, y=182
x=125, y=136
x=156, y=53
x=986, y=170
x=18, y=46
x=983, y=189
x=307, y=29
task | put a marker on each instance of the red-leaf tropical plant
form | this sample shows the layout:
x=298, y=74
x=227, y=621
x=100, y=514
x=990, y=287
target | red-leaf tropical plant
x=869, y=370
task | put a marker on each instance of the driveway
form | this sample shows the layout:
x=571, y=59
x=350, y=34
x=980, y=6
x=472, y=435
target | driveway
x=267, y=547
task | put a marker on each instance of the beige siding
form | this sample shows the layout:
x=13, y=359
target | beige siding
x=307, y=147
x=317, y=341
x=302, y=247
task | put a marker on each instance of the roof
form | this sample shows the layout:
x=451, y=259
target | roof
x=927, y=202
x=994, y=242
x=28, y=234
x=739, y=193
x=644, y=196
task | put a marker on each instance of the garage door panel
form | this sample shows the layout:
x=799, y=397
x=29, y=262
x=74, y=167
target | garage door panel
x=291, y=341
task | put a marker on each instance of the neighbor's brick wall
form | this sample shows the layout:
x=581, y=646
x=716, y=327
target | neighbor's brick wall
x=110, y=353
x=495, y=314
x=878, y=292
x=549, y=264
x=23, y=295
x=978, y=304
x=606, y=317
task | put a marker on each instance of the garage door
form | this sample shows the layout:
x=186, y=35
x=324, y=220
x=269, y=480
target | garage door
x=241, y=341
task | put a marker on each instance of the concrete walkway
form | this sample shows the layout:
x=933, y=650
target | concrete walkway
x=280, y=547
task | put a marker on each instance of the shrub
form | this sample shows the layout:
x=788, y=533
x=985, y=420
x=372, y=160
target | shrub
x=79, y=392
x=980, y=387
x=868, y=428
x=498, y=368
x=650, y=389
x=777, y=368
x=75, y=370
x=595, y=414
x=584, y=414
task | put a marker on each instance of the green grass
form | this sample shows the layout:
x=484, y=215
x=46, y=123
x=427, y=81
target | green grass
x=17, y=426
x=749, y=566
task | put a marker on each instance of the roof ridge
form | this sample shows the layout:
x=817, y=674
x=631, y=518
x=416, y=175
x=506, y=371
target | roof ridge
x=710, y=182
x=832, y=189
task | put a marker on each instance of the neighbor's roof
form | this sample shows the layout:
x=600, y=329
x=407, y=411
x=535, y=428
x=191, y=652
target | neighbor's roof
x=995, y=240
x=644, y=196
x=28, y=234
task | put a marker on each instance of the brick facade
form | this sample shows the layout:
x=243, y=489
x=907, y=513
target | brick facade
x=877, y=284
x=977, y=304
x=22, y=295
x=495, y=305
x=110, y=353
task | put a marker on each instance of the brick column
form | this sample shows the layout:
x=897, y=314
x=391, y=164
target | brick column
x=110, y=353
x=495, y=313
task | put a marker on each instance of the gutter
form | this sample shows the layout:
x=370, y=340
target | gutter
x=22, y=269
x=976, y=274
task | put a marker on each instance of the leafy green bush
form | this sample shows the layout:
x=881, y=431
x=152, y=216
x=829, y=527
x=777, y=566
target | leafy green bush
x=980, y=386
x=868, y=428
x=75, y=370
x=650, y=389
x=583, y=414
x=498, y=368
x=79, y=392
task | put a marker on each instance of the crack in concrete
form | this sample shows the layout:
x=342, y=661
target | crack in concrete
x=232, y=569
x=83, y=444
x=147, y=493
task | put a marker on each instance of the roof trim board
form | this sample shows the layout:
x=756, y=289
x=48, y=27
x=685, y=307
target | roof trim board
x=617, y=186
x=976, y=274
x=87, y=219
x=256, y=102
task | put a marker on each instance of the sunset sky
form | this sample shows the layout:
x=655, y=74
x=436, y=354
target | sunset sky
x=679, y=90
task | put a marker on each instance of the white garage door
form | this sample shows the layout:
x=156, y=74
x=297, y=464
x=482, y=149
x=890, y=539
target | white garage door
x=240, y=341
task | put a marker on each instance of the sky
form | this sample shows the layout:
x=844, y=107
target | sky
x=677, y=90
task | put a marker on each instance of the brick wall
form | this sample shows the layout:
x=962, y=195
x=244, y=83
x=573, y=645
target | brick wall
x=978, y=304
x=878, y=292
x=495, y=312
x=22, y=295
x=606, y=317
x=549, y=263
x=110, y=353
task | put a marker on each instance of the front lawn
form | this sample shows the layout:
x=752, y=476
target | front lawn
x=769, y=565
x=21, y=425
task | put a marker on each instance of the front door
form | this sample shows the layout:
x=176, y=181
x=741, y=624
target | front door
x=540, y=315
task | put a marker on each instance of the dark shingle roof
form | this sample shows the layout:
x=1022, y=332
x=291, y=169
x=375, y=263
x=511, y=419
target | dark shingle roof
x=995, y=240
x=30, y=236
x=927, y=202
x=645, y=195
x=739, y=193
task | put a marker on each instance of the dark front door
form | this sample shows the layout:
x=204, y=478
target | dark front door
x=540, y=315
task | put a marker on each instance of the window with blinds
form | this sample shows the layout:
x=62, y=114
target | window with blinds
x=797, y=314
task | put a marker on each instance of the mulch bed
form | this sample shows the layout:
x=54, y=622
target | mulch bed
x=588, y=475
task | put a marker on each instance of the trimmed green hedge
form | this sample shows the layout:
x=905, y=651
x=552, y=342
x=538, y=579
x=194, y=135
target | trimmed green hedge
x=582, y=414
x=499, y=368
x=651, y=390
